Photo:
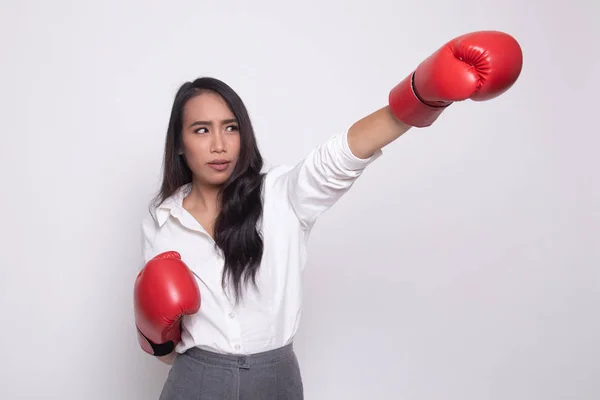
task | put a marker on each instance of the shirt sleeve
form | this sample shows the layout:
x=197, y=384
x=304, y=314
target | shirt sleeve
x=148, y=232
x=323, y=177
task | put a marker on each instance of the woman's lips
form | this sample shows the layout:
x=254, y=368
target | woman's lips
x=219, y=165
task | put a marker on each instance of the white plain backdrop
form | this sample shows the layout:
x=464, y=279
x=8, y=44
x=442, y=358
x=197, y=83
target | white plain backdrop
x=464, y=264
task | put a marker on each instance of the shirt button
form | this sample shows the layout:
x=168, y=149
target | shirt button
x=237, y=346
x=231, y=315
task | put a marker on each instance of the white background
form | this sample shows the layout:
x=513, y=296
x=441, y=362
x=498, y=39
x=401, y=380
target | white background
x=463, y=265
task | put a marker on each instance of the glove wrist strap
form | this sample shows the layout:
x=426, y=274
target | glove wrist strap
x=408, y=107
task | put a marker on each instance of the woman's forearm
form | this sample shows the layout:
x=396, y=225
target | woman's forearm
x=373, y=132
x=169, y=358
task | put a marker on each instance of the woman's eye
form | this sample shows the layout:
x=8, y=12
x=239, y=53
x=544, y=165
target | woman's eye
x=201, y=130
x=232, y=128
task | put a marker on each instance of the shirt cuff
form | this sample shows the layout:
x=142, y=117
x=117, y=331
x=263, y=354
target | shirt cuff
x=350, y=160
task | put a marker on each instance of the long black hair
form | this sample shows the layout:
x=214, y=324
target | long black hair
x=236, y=231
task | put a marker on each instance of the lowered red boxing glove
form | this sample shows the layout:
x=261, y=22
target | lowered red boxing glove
x=165, y=290
x=477, y=66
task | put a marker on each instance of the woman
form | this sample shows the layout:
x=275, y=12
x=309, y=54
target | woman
x=225, y=242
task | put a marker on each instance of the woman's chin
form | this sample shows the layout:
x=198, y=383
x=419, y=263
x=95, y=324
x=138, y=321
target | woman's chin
x=214, y=179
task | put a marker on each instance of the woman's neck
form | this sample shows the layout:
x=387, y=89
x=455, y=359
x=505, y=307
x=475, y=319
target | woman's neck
x=203, y=198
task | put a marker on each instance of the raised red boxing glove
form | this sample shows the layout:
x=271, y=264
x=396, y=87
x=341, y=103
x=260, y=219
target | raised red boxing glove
x=477, y=66
x=165, y=290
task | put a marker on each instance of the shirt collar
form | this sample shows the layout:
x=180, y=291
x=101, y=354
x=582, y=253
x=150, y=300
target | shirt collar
x=173, y=202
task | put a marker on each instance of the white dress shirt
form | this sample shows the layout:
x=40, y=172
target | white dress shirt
x=267, y=318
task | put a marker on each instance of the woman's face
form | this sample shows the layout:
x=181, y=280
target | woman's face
x=211, y=139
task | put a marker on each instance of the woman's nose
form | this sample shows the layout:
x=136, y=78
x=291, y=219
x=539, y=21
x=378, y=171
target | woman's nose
x=218, y=144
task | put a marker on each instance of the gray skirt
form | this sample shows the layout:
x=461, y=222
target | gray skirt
x=203, y=375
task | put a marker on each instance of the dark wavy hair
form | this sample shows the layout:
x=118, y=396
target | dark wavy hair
x=236, y=230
